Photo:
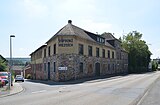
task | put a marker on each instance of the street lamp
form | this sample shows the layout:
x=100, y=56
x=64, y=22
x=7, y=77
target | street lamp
x=10, y=75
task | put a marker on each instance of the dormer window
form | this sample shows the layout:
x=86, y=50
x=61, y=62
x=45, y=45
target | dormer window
x=98, y=39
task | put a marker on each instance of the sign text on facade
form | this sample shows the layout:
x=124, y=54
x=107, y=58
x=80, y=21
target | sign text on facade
x=65, y=42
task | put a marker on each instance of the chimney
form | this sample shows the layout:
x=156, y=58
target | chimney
x=70, y=21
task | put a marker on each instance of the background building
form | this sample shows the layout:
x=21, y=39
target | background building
x=74, y=53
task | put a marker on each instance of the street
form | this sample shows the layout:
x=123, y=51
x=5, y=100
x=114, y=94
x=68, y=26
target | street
x=120, y=90
x=152, y=96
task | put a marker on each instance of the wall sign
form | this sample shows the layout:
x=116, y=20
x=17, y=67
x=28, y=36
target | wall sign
x=65, y=42
x=62, y=68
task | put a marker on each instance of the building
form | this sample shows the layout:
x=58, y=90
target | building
x=27, y=71
x=18, y=70
x=74, y=53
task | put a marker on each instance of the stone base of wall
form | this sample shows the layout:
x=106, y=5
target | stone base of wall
x=92, y=66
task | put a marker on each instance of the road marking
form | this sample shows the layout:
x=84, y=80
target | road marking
x=39, y=91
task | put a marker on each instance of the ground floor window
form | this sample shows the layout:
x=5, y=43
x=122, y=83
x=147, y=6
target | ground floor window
x=113, y=66
x=108, y=67
x=81, y=67
x=54, y=66
x=44, y=66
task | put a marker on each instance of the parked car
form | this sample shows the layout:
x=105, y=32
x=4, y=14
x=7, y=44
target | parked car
x=19, y=78
x=2, y=82
x=4, y=76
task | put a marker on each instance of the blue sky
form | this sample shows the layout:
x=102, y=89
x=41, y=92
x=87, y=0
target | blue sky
x=33, y=22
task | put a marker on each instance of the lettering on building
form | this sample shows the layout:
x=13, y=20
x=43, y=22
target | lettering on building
x=65, y=42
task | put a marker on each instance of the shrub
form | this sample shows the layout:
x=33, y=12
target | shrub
x=28, y=76
x=154, y=66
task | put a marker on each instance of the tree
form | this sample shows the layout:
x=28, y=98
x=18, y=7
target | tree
x=3, y=65
x=138, y=52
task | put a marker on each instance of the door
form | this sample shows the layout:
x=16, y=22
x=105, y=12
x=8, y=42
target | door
x=97, y=69
x=48, y=70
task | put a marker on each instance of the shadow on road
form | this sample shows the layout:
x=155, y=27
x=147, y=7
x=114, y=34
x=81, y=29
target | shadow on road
x=91, y=79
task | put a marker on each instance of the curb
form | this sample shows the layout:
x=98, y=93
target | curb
x=10, y=94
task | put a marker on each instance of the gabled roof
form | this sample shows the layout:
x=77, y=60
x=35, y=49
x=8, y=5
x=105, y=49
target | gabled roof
x=71, y=29
x=38, y=49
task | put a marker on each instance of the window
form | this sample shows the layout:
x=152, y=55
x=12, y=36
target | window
x=49, y=51
x=54, y=66
x=44, y=66
x=113, y=54
x=54, y=49
x=103, y=53
x=102, y=40
x=108, y=53
x=90, y=50
x=108, y=67
x=98, y=39
x=97, y=52
x=44, y=52
x=81, y=67
x=80, y=49
x=113, y=66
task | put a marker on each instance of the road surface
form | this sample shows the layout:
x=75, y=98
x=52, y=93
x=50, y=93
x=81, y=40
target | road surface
x=152, y=96
x=124, y=90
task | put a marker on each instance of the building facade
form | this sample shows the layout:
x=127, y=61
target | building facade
x=74, y=53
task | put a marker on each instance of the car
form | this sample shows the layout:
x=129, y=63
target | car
x=4, y=76
x=19, y=78
x=2, y=82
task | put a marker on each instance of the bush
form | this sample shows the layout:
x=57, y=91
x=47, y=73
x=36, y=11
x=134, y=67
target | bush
x=28, y=76
x=154, y=66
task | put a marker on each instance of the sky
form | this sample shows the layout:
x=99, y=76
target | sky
x=34, y=22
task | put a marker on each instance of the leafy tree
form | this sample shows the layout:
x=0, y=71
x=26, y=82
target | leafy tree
x=3, y=65
x=138, y=52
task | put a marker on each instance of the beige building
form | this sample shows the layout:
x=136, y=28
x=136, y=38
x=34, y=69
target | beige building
x=74, y=53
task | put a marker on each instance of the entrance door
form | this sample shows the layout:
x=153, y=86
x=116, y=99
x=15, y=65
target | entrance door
x=48, y=70
x=97, y=69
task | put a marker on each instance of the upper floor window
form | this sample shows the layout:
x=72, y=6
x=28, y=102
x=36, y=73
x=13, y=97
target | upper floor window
x=80, y=49
x=103, y=53
x=98, y=39
x=44, y=52
x=108, y=53
x=90, y=50
x=97, y=52
x=54, y=49
x=49, y=51
x=113, y=54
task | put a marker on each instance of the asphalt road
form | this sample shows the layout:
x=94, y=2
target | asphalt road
x=152, y=97
x=123, y=90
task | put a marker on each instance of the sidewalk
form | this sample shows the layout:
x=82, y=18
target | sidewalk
x=16, y=88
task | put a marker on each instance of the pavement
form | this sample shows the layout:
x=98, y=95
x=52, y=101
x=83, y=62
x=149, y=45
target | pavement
x=15, y=89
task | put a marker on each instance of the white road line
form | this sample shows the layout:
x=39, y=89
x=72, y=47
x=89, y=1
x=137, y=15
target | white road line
x=41, y=91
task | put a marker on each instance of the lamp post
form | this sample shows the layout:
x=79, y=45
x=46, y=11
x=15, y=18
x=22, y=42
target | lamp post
x=10, y=74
